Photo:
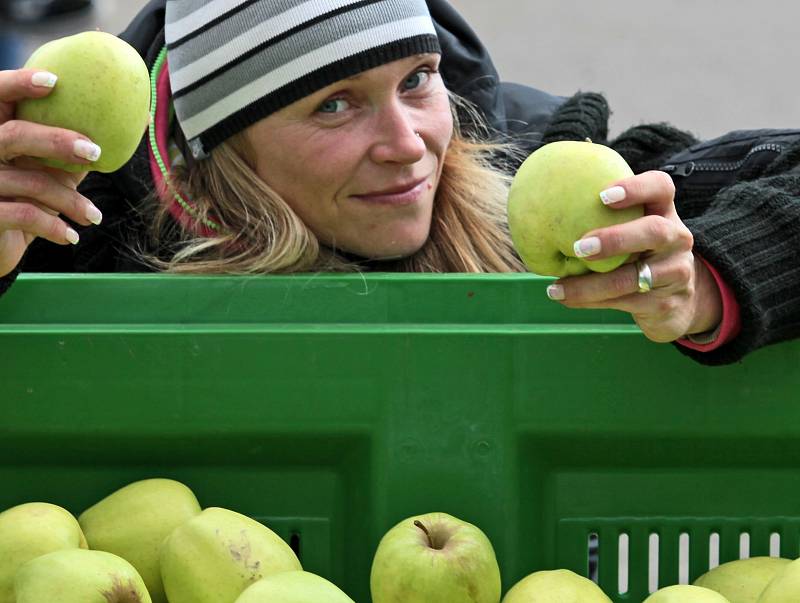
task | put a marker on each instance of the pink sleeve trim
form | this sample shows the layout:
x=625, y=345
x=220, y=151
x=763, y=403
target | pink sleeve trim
x=731, y=318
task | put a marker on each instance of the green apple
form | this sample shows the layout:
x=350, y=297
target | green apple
x=79, y=576
x=214, y=556
x=784, y=586
x=743, y=580
x=293, y=587
x=102, y=92
x=133, y=522
x=435, y=557
x=554, y=200
x=30, y=530
x=685, y=593
x=555, y=586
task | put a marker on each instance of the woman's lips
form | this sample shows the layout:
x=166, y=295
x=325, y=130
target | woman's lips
x=401, y=195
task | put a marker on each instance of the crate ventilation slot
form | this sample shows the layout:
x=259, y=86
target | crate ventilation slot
x=637, y=556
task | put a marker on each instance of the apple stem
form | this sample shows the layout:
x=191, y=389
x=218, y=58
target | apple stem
x=422, y=527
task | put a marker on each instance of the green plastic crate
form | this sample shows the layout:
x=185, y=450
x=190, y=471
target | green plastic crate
x=331, y=407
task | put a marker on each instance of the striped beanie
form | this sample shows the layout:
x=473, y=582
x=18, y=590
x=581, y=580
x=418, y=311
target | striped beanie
x=234, y=62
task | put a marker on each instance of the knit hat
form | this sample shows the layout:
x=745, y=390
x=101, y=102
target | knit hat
x=234, y=62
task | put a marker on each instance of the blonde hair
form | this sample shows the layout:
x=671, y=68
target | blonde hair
x=259, y=233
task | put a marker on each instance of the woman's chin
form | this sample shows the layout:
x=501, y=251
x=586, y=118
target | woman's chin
x=397, y=252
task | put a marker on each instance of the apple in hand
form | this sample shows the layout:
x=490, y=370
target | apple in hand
x=784, y=586
x=79, y=576
x=102, y=92
x=214, y=556
x=435, y=557
x=685, y=593
x=293, y=587
x=555, y=586
x=133, y=521
x=555, y=199
x=30, y=530
x=742, y=580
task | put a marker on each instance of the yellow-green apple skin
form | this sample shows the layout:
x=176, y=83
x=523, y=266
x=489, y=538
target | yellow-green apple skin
x=743, y=580
x=555, y=586
x=685, y=593
x=215, y=555
x=30, y=530
x=293, y=587
x=133, y=521
x=784, y=586
x=79, y=576
x=453, y=562
x=102, y=92
x=554, y=201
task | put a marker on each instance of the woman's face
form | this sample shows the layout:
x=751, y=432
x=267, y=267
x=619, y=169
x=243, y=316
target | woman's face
x=360, y=160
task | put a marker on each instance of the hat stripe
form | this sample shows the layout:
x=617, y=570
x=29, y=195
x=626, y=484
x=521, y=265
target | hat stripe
x=196, y=123
x=203, y=57
x=253, y=11
x=214, y=61
x=184, y=23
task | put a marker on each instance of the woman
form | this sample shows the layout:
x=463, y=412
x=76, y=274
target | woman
x=334, y=138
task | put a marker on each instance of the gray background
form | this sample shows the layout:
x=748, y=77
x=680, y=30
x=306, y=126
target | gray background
x=708, y=66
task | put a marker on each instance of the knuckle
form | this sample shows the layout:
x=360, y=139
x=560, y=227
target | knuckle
x=684, y=271
x=54, y=230
x=35, y=184
x=621, y=283
x=659, y=228
x=685, y=238
x=22, y=79
x=666, y=306
x=634, y=187
x=669, y=184
x=25, y=215
x=613, y=241
x=10, y=131
x=60, y=141
x=77, y=203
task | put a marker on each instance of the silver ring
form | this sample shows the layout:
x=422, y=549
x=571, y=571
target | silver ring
x=645, y=277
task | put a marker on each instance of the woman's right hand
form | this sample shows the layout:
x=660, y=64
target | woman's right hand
x=33, y=196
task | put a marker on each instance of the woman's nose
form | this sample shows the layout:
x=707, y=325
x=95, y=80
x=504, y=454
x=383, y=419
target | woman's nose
x=398, y=140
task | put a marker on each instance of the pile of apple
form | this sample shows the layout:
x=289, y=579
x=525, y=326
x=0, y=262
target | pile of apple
x=152, y=542
x=448, y=560
x=149, y=542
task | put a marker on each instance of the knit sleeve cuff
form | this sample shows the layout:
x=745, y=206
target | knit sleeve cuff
x=584, y=115
x=727, y=329
x=750, y=236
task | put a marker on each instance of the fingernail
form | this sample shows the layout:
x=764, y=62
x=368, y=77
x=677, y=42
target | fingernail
x=555, y=292
x=45, y=79
x=94, y=215
x=586, y=247
x=72, y=236
x=615, y=194
x=87, y=150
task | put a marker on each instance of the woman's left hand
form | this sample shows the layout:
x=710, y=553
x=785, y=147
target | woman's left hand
x=685, y=298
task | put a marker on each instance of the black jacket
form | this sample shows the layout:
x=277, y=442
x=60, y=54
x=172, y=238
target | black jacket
x=739, y=194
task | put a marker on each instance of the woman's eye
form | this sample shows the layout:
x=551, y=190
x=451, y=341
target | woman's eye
x=334, y=105
x=416, y=79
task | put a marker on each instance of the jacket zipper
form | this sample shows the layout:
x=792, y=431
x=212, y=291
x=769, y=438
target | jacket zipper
x=689, y=167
